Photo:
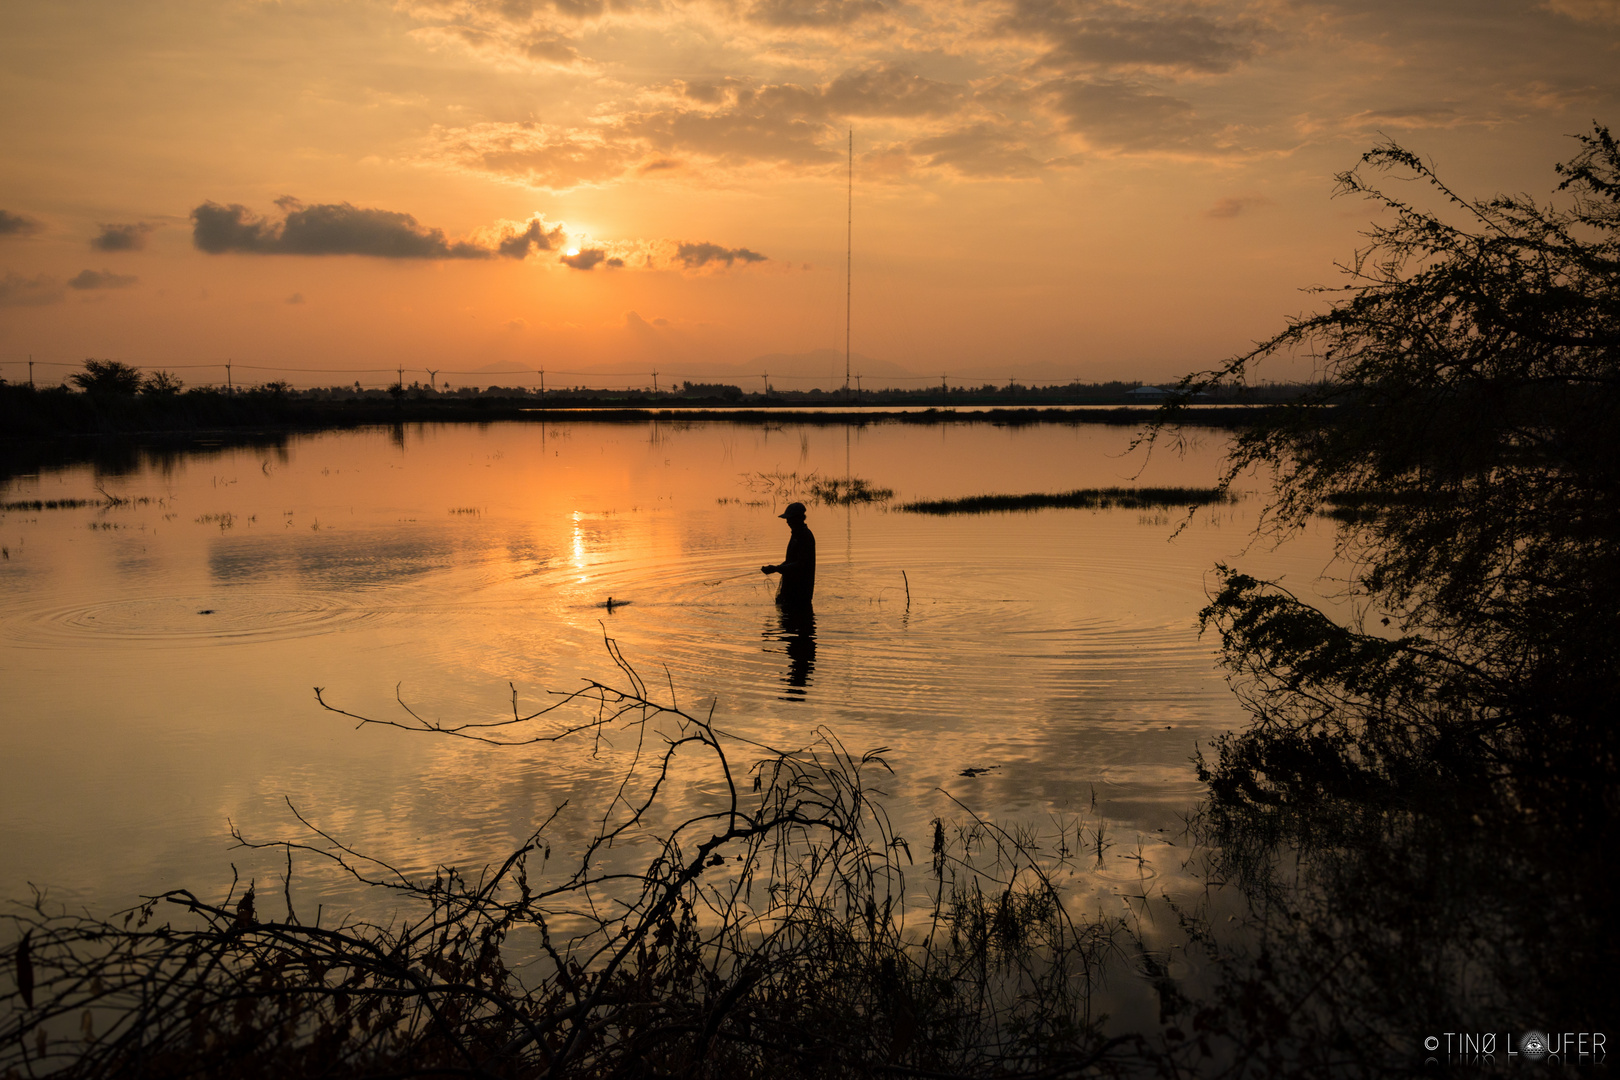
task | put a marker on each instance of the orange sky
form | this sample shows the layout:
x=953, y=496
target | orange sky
x=1044, y=189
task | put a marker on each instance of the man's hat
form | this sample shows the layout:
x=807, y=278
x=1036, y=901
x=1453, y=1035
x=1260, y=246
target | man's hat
x=794, y=510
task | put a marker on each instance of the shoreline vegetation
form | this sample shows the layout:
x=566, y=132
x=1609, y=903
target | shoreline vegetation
x=27, y=413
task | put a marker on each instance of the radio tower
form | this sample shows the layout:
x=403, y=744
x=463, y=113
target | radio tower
x=849, y=255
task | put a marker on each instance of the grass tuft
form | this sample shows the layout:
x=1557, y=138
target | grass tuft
x=1115, y=498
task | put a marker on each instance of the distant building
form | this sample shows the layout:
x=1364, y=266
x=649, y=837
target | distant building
x=1147, y=393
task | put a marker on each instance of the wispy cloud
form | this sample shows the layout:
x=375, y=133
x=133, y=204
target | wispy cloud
x=101, y=279
x=130, y=237
x=693, y=256
x=17, y=290
x=16, y=224
x=1180, y=39
x=799, y=14
x=1126, y=115
x=1236, y=206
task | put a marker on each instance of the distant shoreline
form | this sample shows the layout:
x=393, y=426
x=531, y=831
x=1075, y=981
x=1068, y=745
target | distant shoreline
x=55, y=427
x=27, y=414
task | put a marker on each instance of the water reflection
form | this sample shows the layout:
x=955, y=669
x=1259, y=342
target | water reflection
x=795, y=630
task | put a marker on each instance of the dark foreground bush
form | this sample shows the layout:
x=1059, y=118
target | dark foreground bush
x=770, y=937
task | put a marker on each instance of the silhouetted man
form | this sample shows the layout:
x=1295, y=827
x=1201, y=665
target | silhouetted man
x=798, y=567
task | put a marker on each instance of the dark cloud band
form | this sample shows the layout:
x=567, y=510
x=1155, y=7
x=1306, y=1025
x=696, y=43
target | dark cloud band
x=325, y=229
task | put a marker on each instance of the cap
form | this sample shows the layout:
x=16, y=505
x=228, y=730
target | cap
x=794, y=510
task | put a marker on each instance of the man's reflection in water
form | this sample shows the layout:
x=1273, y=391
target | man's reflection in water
x=797, y=626
x=796, y=629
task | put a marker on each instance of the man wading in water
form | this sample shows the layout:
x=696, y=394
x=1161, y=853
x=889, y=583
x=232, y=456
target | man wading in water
x=798, y=567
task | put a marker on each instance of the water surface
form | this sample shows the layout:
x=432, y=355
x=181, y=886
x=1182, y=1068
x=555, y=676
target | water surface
x=159, y=657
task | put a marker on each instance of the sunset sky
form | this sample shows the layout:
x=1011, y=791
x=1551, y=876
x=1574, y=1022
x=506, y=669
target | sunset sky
x=1043, y=189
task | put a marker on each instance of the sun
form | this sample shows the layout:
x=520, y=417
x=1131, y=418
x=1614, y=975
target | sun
x=572, y=252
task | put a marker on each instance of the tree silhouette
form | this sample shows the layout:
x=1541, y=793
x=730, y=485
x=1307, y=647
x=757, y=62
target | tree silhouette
x=107, y=378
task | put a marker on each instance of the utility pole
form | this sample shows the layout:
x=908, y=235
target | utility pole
x=433, y=378
x=30, y=371
x=849, y=255
x=655, y=384
x=229, y=389
x=767, y=378
x=944, y=387
x=542, y=384
x=857, y=389
x=401, y=379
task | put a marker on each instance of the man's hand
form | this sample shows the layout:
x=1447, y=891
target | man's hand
x=767, y=569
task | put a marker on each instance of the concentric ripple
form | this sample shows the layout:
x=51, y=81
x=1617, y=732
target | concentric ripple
x=230, y=615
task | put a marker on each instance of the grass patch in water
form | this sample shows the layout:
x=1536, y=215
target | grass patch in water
x=836, y=491
x=1115, y=498
x=815, y=488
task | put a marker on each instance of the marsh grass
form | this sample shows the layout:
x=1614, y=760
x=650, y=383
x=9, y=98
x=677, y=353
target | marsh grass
x=816, y=488
x=106, y=502
x=1114, y=498
x=49, y=504
x=841, y=491
x=775, y=935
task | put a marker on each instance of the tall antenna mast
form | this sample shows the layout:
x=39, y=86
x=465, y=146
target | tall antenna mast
x=849, y=256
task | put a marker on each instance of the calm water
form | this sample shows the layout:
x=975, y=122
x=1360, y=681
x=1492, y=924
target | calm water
x=1057, y=649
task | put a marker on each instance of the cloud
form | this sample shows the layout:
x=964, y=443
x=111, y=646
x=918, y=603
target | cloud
x=1588, y=11
x=1126, y=115
x=17, y=225
x=324, y=229
x=122, y=237
x=585, y=258
x=536, y=153
x=728, y=121
x=535, y=236
x=779, y=124
x=19, y=291
x=804, y=14
x=888, y=90
x=693, y=256
x=983, y=151
x=103, y=279
x=1115, y=36
x=1236, y=205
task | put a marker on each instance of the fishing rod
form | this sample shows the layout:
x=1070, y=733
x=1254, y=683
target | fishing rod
x=732, y=577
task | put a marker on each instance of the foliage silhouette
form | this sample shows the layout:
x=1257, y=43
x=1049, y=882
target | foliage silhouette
x=107, y=378
x=1421, y=807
